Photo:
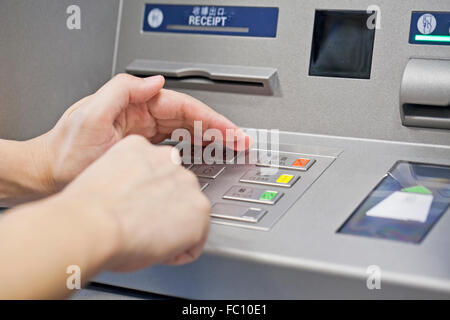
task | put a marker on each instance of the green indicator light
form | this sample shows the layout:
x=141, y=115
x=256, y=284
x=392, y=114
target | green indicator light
x=268, y=195
x=420, y=37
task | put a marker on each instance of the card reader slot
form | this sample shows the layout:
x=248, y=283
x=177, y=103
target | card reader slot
x=426, y=116
x=425, y=94
x=240, y=79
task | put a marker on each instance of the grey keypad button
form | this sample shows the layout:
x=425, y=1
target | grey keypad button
x=204, y=183
x=211, y=154
x=237, y=212
x=187, y=166
x=226, y=156
x=208, y=171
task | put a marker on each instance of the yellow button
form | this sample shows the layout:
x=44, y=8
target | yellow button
x=284, y=178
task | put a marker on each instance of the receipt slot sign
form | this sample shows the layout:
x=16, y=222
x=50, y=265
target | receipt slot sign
x=211, y=19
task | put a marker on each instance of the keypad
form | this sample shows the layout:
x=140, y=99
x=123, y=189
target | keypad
x=250, y=191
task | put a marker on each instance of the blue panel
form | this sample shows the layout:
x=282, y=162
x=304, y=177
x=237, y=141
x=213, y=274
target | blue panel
x=217, y=20
x=432, y=28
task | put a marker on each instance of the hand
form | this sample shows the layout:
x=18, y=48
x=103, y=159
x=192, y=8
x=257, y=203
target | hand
x=160, y=214
x=124, y=106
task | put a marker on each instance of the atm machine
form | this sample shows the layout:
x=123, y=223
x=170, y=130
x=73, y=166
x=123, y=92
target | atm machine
x=358, y=206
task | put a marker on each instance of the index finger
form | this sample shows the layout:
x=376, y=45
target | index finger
x=173, y=110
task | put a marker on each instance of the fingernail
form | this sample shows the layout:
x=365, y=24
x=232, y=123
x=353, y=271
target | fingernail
x=243, y=141
x=240, y=134
x=154, y=79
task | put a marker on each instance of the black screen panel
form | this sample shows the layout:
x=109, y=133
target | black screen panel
x=342, y=44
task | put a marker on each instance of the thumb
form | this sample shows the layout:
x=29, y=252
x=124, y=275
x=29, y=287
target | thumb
x=123, y=90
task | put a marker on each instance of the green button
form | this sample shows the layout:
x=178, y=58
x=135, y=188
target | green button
x=268, y=195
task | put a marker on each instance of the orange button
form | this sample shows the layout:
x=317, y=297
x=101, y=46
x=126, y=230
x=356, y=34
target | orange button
x=301, y=163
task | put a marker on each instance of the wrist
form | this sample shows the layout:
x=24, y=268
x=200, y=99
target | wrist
x=24, y=172
x=98, y=231
x=40, y=168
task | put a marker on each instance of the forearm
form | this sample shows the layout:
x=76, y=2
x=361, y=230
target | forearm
x=38, y=241
x=23, y=172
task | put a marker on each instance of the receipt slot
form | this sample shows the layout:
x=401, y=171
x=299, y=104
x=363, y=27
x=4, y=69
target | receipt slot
x=213, y=77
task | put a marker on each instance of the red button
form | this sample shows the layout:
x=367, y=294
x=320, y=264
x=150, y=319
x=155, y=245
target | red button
x=301, y=163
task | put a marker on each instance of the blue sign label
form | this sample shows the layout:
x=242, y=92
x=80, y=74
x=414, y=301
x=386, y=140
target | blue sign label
x=217, y=20
x=430, y=28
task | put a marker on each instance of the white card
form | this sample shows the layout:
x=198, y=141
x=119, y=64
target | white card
x=403, y=206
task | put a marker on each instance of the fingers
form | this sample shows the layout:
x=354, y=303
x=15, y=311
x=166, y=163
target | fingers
x=159, y=137
x=173, y=110
x=189, y=255
x=196, y=242
x=186, y=257
x=123, y=90
x=161, y=211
